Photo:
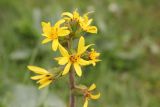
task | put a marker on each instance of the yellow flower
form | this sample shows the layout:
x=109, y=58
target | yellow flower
x=71, y=16
x=85, y=24
x=88, y=95
x=84, y=21
x=44, y=77
x=53, y=33
x=73, y=59
x=93, y=55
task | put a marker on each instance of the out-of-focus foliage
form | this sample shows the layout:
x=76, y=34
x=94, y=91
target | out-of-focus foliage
x=128, y=39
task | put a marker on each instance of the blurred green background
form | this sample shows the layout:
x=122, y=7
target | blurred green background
x=128, y=39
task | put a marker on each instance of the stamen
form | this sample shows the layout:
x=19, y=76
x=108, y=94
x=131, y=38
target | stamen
x=47, y=75
x=74, y=58
x=50, y=79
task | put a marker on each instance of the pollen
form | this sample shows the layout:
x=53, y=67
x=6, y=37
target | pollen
x=74, y=58
x=87, y=94
x=54, y=34
x=49, y=77
x=92, y=55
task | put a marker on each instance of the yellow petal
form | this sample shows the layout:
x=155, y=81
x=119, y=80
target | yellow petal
x=97, y=60
x=97, y=54
x=43, y=80
x=92, y=87
x=81, y=44
x=45, y=24
x=93, y=63
x=67, y=18
x=78, y=69
x=95, y=96
x=83, y=62
x=62, y=32
x=37, y=77
x=37, y=70
x=57, y=25
x=63, y=51
x=48, y=77
x=46, y=40
x=64, y=28
x=84, y=49
x=55, y=44
x=62, y=60
x=67, y=14
x=89, y=22
x=86, y=14
x=76, y=14
x=58, y=58
x=92, y=29
x=46, y=35
x=85, y=103
x=45, y=84
x=46, y=28
x=66, y=69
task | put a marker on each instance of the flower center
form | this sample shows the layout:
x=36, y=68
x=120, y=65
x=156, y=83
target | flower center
x=74, y=58
x=76, y=19
x=54, y=34
x=88, y=94
x=92, y=55
x=49, y=76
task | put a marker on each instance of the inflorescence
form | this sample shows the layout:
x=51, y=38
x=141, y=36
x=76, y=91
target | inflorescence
x=62, y=34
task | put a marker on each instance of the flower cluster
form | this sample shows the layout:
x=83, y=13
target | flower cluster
x=62, y=34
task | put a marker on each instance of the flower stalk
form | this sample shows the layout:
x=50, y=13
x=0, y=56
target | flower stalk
x=72, y=86
x=71, y=80
x=63, y=35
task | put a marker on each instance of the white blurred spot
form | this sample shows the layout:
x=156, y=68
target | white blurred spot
x=114, y=8
x=20, y=54
x=28, y=96
x=154, y=48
